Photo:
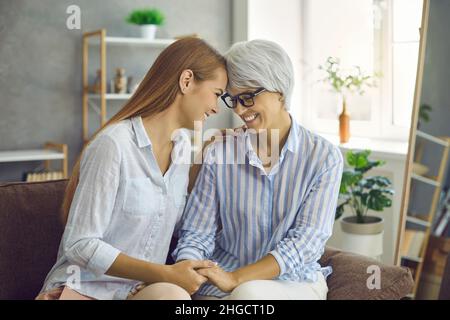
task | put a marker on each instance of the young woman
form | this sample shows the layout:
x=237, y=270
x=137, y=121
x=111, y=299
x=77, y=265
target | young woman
x=128, y=189
x=264, y=202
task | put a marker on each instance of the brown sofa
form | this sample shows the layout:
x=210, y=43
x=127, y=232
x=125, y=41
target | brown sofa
x=30, y=231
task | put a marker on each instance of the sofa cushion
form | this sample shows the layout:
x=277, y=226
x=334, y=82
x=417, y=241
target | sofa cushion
x=351, y=273
x=30, y=232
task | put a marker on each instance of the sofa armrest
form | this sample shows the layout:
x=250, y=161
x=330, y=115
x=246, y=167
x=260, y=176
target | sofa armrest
x=354, y=277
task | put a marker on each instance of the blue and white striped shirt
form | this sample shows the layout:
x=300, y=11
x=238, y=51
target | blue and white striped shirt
x=237, y=213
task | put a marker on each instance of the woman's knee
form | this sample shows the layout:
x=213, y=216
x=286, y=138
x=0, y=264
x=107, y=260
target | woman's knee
x=162, y=291
x=251, y=290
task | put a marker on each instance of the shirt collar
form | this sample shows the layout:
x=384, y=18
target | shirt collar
x=292, y=142
x=142, y=138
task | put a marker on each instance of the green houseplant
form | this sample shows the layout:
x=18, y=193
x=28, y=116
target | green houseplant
x=424, y=114
x=148, y=20
x=345, y=82
x=359, y=192
x=363, y=233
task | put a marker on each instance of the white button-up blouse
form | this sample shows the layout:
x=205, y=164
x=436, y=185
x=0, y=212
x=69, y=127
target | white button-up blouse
x=122, y=203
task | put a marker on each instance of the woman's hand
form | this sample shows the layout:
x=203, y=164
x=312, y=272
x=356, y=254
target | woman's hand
x=184, y=274
x=225, y=281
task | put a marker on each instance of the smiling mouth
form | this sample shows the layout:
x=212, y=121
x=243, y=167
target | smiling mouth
x=250, y=118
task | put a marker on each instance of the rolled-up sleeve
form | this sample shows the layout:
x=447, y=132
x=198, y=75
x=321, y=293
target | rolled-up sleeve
x=200, y=218
x=92, y=207
x=305, y=242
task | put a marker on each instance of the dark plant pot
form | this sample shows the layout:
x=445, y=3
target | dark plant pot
x=371, y=225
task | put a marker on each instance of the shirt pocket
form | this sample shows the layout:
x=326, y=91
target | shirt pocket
x=179, y=190
x=142, y=197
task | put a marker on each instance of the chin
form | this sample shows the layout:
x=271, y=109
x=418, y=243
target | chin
x=255, y=126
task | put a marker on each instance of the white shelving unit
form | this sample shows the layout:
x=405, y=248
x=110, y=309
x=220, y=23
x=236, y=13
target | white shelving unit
x=431, y=138
x=30, y=155
x=110, y=96
x=417, y=221
x=155, y=43
x=51, y=151
x=425, y=180
x=436, y=183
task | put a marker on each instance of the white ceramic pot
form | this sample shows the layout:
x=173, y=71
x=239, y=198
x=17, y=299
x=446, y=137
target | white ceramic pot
x=363, y=238
x=148, y=31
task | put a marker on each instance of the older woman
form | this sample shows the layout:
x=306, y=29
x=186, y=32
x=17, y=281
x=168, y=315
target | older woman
x=265, y=218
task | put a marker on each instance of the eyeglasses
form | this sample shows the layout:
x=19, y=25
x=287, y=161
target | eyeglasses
x=246, y=99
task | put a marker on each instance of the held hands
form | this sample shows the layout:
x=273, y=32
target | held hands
x=185, y=275
x=225, y=281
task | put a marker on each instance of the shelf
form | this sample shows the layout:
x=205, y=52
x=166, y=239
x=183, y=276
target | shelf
x=30, y=155
x=415, y=259
x=155, y=43
x=110, y=96
x=417, y=221
x=431, y=138
x=425, y=180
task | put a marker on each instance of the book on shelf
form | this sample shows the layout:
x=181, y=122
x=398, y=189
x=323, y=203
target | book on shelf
x=441, y=225
x=446, y=232
x=43, y=176
x=412, y=243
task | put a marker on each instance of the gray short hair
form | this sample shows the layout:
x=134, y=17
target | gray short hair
x=260, y=63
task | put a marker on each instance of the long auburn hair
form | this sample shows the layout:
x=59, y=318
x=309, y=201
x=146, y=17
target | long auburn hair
x=158, y=91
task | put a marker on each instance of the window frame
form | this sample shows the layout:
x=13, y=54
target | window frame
x=381, y=125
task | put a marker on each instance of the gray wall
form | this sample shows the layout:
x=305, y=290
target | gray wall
x=40, y=63
x=436, y=93
x=435, y=90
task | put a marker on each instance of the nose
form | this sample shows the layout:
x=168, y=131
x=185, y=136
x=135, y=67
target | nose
x=216, y=109
x=239, y=108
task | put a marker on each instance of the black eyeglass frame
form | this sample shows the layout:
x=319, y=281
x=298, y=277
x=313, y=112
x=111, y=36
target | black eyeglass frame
x=248, y=96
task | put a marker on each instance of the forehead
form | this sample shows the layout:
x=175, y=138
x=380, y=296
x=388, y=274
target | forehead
x=236, y=91
x=220, y=78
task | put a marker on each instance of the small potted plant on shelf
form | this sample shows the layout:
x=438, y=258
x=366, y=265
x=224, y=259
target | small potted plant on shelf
x=148, y=20
x=363, y=233
x=345, y=82
x=424, y=116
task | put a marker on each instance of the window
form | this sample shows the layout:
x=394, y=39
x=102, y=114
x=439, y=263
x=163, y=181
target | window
x=377, y=35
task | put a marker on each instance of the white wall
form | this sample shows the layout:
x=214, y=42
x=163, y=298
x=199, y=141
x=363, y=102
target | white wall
x=278, y=21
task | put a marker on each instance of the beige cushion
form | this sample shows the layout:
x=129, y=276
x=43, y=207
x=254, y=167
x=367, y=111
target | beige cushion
x=350, y=274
